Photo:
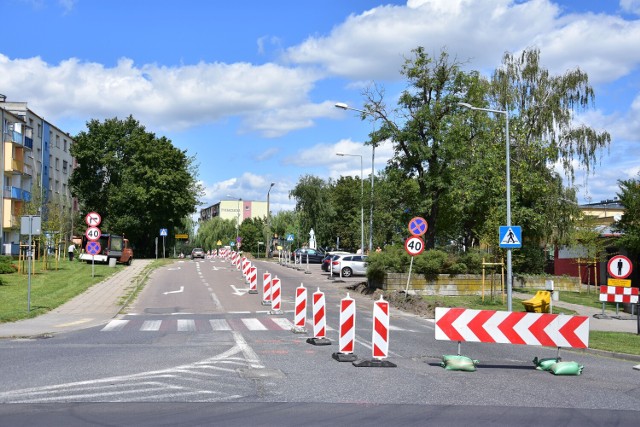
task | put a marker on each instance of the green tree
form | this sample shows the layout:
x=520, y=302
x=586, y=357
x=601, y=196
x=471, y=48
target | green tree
x=428, y=141
x=629, y=223
x=313, y=205
x=138, y=182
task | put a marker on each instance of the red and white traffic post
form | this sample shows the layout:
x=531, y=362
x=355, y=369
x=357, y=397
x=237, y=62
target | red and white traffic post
x=379, y=337
x=253, y=279
x=319, y=320
x=266, y=288
x=276, y=297
x=300, y=316
x=347, y=335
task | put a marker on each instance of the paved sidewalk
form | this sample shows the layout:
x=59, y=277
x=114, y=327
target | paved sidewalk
x=96, y=306
x=622, y=322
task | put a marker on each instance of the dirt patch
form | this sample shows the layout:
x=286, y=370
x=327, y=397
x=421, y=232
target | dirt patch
x=399, y=300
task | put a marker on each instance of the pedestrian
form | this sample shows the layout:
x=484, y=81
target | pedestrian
x=71, y=250
x=378, y=250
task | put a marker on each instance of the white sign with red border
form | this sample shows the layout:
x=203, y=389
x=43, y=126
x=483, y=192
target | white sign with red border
x=93, y=219
x=619, y=267
x=93, y=233
x=414, y=245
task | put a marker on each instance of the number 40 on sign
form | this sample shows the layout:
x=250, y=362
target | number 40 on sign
x=414, y=245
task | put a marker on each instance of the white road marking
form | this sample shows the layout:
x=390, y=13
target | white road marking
x=219, y=325
x=151, y=325
x=115, y=325
x=175, y=292
x=283, y=323
x=186, y=325
x=254, y=325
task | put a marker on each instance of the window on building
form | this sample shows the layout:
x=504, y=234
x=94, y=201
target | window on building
x=39, y=130
x=64, y=141
x=57, y=141
x=64, y=166
x=57, y=164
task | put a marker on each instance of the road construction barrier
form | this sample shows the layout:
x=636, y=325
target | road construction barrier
x=300, y=316
x=619, y=294
x=266, y=288
x=253, y=280
x=506, y=327
x=347, y=332
x=246, y=264
x=379, y=337
x=319, y=320
x=276, y=297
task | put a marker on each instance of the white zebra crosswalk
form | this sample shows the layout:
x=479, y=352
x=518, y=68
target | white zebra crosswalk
x=198, y=325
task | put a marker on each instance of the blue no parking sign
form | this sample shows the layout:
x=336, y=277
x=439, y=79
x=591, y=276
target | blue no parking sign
x=93, y=248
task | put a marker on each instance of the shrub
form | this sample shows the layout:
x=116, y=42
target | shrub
x=6, y=265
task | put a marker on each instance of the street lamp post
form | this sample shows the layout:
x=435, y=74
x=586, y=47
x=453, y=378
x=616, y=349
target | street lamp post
x=268, y=242
x=344, y=106
x=361, y=199
x=509, y=269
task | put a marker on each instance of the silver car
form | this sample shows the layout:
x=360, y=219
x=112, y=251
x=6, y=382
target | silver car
x=349, y=264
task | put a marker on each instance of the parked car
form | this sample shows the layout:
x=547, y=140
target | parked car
x=197, y=253
x=349, y=264
x=315, y=255
x=326, y=261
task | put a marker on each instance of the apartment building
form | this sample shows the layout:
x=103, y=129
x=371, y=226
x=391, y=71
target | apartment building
x=35, y=155
x=237, y=210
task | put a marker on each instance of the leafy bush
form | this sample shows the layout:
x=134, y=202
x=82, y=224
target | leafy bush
x=6, y=265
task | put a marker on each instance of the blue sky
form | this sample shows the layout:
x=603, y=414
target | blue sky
x=249, y=88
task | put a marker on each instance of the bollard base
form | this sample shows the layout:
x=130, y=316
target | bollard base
x=252, y=292
x=298, y=330
x=276, y=312
x=319, y=341
x=374, y=363
x=307, y=272
x=266, y=302
x=344, y=357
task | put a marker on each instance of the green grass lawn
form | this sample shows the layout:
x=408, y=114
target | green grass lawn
x=49, y=289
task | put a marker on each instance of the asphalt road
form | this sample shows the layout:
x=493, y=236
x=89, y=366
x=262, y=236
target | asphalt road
x=196, y=347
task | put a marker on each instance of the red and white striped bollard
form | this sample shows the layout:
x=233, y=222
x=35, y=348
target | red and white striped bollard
x=300, y=316
x=266, y=288
x=276, y=297
x=347, y=336
x=319, y=320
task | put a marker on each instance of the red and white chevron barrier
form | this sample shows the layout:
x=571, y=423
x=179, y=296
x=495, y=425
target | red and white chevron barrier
x=246, y=264
x=319, y=320
x=347, y=331
x=253, y=280
x=619, y=294
x=276, y=297
x=379, y=337
x=300, y=317
x=552, y=330
x=266, y=288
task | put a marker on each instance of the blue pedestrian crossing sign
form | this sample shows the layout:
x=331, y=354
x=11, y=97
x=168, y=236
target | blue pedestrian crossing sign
x=289, y=237
x=510, y=236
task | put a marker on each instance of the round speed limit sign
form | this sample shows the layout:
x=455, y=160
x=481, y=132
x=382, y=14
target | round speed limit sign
x=414, y=245
x=93, y=233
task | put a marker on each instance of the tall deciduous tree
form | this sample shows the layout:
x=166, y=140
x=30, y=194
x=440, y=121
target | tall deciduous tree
x=314, y=208
x=138, y=182
x=629, y=223
x=427, y=143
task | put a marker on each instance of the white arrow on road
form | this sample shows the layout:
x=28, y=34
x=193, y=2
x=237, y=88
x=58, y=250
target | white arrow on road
x=175, y=292
x=237, y=291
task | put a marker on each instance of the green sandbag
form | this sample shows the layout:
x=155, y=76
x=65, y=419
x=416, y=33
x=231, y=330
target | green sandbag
x=545, y=364
x=566, y=368
x=458, y=363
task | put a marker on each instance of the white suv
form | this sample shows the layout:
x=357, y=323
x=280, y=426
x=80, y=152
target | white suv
x=349, y=264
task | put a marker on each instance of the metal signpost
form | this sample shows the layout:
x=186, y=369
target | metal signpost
x=30, y=225
x=163, y=234
x=414, y=245
x=93, y=233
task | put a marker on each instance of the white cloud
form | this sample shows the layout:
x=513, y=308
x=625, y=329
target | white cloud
x=159, y=96
x=632, y=6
